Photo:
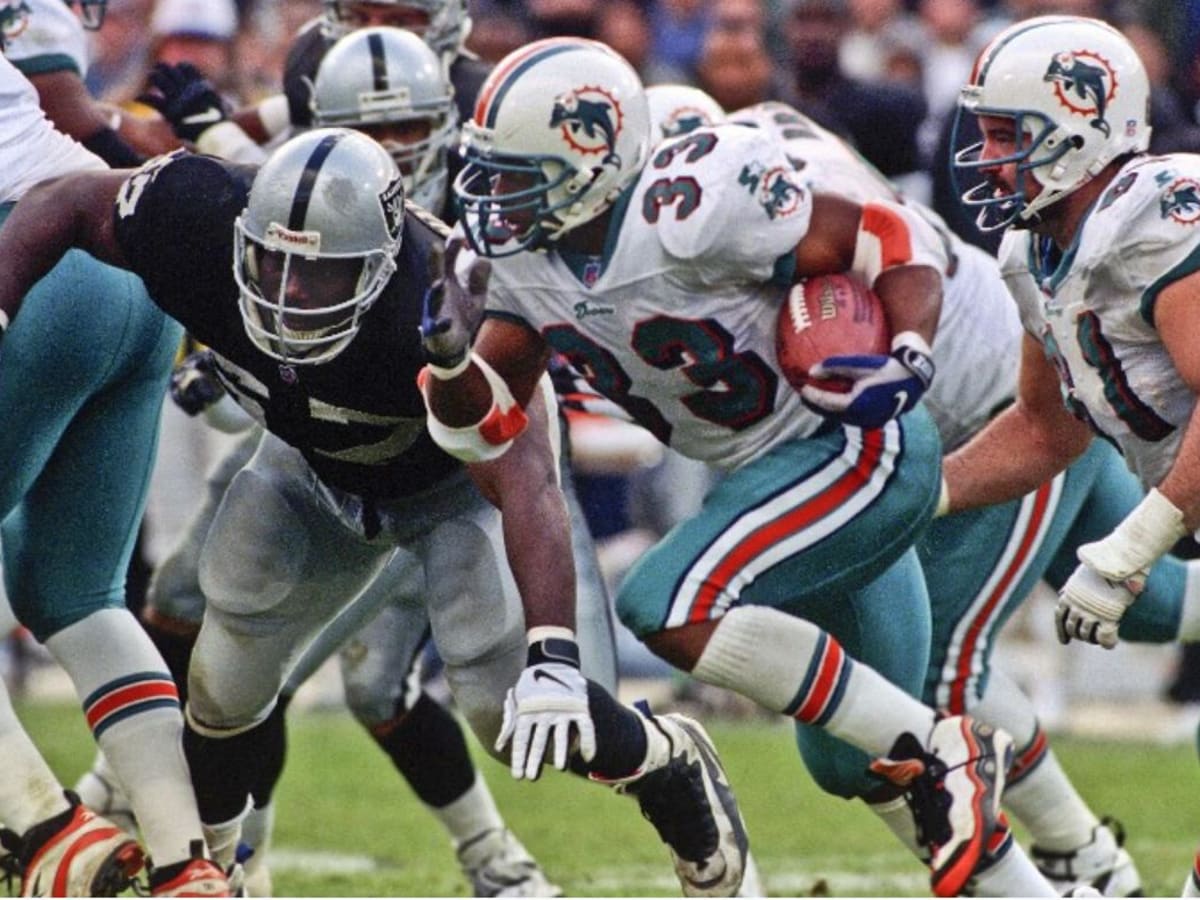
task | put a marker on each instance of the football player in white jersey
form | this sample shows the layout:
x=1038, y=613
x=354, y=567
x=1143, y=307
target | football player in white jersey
x=659, y=275
x=1100, y=255
x=47, y=40
x=981, y=564
x=85, y=404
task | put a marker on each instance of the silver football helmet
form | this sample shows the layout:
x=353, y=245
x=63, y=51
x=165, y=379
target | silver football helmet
x=1079, y=97
x=389, y=76
x=446, y=31
x=330, y=194
x=561, y=127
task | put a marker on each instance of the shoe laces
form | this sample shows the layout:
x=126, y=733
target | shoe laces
x=673, y=799
x=923, y=775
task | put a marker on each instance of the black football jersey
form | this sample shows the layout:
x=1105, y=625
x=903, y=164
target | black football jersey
x=359, y=418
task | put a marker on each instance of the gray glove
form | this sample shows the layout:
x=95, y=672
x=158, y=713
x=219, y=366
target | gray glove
x=452, y=312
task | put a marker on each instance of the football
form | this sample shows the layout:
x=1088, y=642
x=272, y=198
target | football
x=829, y=315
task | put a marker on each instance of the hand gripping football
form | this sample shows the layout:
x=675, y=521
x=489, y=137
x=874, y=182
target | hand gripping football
x=824, y=316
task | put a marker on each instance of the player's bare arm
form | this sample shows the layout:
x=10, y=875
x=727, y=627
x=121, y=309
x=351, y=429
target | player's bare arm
x=72, y=211
x=911, y=294
x=1027, y=444
x=523, y=483
x=1177, y=322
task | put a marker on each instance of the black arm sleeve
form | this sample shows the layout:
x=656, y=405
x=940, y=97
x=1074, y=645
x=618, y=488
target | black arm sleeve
x=107, y=145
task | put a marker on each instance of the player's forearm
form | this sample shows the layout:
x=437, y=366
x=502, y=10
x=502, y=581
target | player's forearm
x=1013, y=455
x=1182, y=484
x=34, y=237
x=523, y=483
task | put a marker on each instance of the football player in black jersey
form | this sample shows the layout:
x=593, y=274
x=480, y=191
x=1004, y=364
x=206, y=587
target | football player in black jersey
x=387, y=83
x=443, y=24
x=315, y=332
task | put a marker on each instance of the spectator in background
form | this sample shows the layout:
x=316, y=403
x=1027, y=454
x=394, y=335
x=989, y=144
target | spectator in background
x=118, y=51
x=679, y=28
x=201, y=32
x=623, y=25
x=878, y=28
x=553, y=18
x=879, y=119
x=735, y=68
x=496, y=30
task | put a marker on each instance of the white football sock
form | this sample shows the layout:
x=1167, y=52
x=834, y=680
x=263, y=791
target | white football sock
x=1043, y=799
x=897, y=816
x=134, y=713
x=470, y=815
x=1012, y=875
x=29, y=792
x=767, y=655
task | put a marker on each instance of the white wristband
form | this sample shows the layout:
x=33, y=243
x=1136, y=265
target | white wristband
x=4, y=320
x=443, y=374
x=1149, y=531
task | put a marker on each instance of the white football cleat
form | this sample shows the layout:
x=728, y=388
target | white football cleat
x=1103, y=863
x=953, y=788
x=688, y=800
x=498, y=865
x=75, y=854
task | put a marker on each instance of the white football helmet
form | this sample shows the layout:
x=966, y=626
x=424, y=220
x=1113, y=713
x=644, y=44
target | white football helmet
x=566, y=118
x=676, y=109
x=328, y=194
x=1075, y=89
x=379, y=76
x=449, y=23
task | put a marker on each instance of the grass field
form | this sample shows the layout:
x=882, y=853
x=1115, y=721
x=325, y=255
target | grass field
x=348, y=826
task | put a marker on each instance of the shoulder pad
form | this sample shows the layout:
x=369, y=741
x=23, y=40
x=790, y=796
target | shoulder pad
x=721, y=187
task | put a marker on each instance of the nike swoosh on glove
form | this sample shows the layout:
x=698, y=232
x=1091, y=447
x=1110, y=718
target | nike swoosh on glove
x=549, y=701
x=883, y=387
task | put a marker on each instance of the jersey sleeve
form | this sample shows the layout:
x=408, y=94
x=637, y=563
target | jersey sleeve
x=725, y=200
x=1153, y=220
x=44, y=36
x=174, y=223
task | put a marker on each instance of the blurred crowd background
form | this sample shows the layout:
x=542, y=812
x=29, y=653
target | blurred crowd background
x=883, y=73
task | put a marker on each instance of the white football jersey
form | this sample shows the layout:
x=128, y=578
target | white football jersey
x=977, y=345
x=676, y=321
x=1092, y=307
x=31, y=149
x=45, y=36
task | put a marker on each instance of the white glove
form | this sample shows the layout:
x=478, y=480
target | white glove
x=1113, y=571
x=550, y=698
x=1090, y=607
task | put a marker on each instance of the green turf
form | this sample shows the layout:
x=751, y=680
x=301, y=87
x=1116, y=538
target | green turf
x=348, y=826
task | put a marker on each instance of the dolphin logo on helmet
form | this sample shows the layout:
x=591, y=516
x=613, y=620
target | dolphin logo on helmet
x=1093, y=84
x=589, y=125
